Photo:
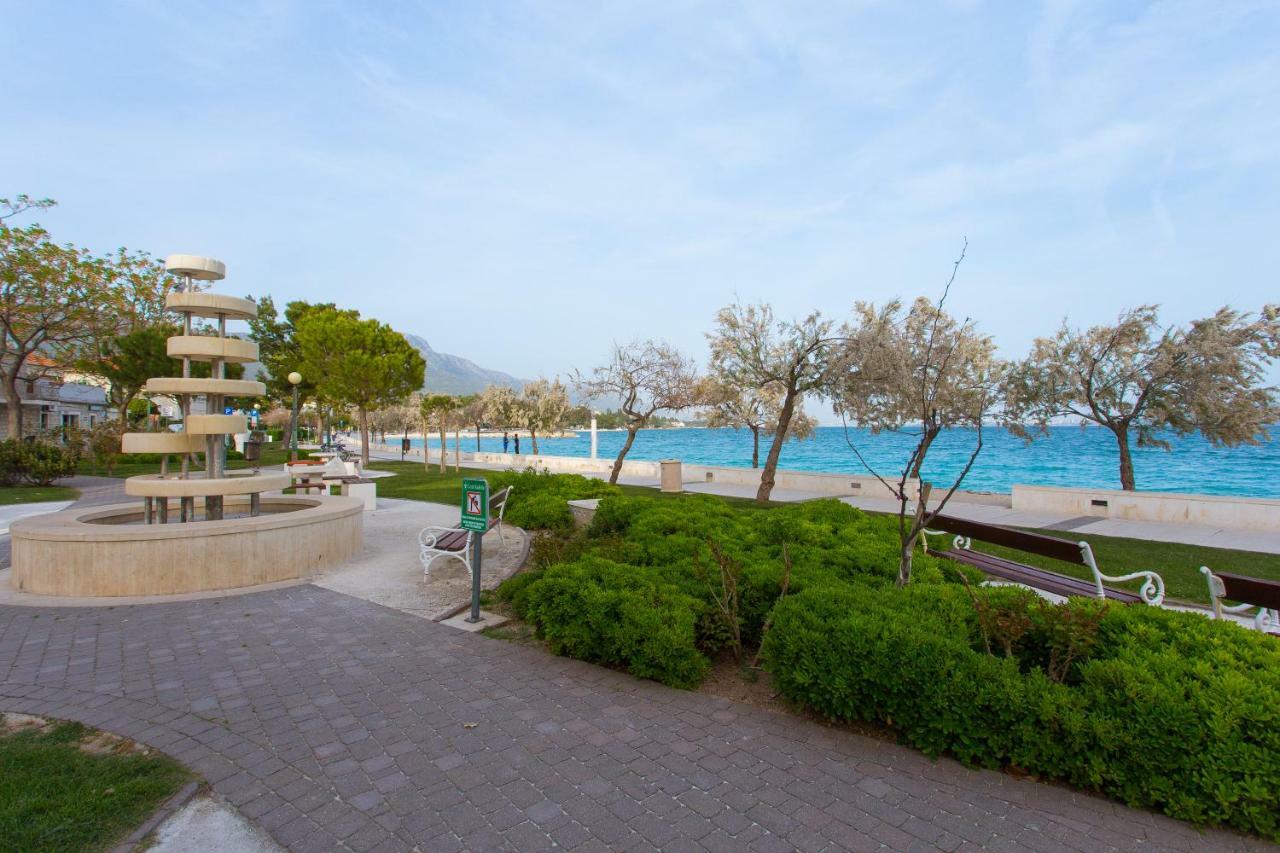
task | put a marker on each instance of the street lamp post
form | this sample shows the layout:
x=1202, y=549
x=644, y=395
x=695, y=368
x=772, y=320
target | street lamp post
x=294, y=379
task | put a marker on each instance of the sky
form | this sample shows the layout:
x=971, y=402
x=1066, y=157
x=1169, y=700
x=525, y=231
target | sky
x=525, y=183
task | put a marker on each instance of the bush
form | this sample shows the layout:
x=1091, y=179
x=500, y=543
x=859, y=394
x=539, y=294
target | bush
x=1167, y=710
x=661, y=542
x=605, y=612
x=540, y=500
x=35, y=462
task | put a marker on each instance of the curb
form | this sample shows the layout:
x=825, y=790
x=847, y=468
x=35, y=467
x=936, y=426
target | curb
x=170, y=807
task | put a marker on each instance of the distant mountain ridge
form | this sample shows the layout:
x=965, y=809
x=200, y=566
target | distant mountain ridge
x=453, y=374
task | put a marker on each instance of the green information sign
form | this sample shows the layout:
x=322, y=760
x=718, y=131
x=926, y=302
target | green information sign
x=475, y=504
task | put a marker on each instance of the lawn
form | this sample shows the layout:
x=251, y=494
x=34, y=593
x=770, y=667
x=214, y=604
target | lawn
x=413, y=483
x=36, y=494
x=57, y=795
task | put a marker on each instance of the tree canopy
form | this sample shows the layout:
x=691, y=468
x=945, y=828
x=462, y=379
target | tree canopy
x=648, y=377
x=360, y=363
x=1142, y=380
x=752, y=350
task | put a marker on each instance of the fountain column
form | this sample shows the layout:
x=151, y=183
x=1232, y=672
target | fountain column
x=204, y=433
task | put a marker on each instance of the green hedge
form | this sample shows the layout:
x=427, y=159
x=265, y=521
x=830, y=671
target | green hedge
x=605, y=612
x=659, y=543
x=540, y=500
x=1168, y=710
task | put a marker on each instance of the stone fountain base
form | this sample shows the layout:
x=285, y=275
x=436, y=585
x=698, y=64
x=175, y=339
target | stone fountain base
x=100, y=551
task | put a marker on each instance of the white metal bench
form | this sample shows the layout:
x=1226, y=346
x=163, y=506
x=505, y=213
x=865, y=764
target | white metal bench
x=454, y=541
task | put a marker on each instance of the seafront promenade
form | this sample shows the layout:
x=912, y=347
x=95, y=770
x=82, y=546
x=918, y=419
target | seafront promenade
x=992, y=509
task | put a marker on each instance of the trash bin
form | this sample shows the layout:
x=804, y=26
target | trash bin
x=253, y=449
x=672, y=477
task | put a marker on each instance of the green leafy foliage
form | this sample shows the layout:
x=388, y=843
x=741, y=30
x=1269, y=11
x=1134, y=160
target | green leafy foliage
x=38, y=463
x=662, y=542
x=601, y=611
x=1160, y=709
x=540, y=500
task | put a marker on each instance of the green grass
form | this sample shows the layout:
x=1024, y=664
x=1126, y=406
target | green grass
x=56, y=796
x=1179, y=565
x=35, y=494
x=413, y=483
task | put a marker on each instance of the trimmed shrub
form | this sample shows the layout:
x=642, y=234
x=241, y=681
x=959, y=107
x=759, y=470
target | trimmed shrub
x=541, y=499
x=601, y=611
x=660, y=540
x=1168, y=710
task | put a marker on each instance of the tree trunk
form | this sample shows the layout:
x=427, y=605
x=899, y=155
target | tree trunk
x=457, y=449
x=444, y=448
x=426, y=455
x=622, y=454
x=477, y=438
x=911, y=534
x=1126, y=459
x=533, y=439
x=904, y=562
x=779, y=436
x=14, y=404
x=755, y=447
x=364, y=435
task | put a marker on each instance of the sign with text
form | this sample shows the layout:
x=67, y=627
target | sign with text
x=475, y=504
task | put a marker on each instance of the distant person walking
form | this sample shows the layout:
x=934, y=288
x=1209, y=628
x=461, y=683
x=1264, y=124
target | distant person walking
x=506, y=442
x=517, y=437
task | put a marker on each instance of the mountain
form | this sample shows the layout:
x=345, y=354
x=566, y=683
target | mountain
x=453, y=374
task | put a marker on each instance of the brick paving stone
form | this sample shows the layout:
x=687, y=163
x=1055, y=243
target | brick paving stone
x=332, y=722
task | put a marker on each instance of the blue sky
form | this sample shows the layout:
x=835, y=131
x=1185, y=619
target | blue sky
x=524, y=183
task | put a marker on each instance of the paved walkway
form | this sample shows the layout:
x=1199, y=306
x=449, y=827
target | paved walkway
x=333, y=722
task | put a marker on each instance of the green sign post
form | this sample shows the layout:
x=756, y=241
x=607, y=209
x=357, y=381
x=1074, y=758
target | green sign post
x=475, y=518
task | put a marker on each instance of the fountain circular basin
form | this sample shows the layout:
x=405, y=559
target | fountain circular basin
x=103, y=551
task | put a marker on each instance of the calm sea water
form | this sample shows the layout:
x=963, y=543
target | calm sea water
x=1068, y=456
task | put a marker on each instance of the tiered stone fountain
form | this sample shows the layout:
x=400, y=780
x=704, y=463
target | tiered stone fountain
x=202, y=433
x=231, y=535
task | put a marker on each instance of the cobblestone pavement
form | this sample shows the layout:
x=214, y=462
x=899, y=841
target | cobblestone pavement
x=335, y=723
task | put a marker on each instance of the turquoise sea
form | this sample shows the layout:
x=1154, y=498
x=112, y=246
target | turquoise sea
x=1068, y=456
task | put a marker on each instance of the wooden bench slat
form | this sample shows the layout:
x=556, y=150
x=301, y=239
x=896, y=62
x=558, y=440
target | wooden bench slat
x=1020, y=540
x=1032, y=576
x=454, y=541
x=1256, y=591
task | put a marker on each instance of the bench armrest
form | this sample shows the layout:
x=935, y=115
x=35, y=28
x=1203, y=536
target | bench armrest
x=1151, y=591
x=960, y=543
x=429, y=536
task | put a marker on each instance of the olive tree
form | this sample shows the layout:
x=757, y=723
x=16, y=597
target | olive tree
x=648, y=377
x=438, y=409
x=753, y=408
x=500, y=405
x=752, y=350
x=542, y=406
x=1143, y=381
x=917, y=370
